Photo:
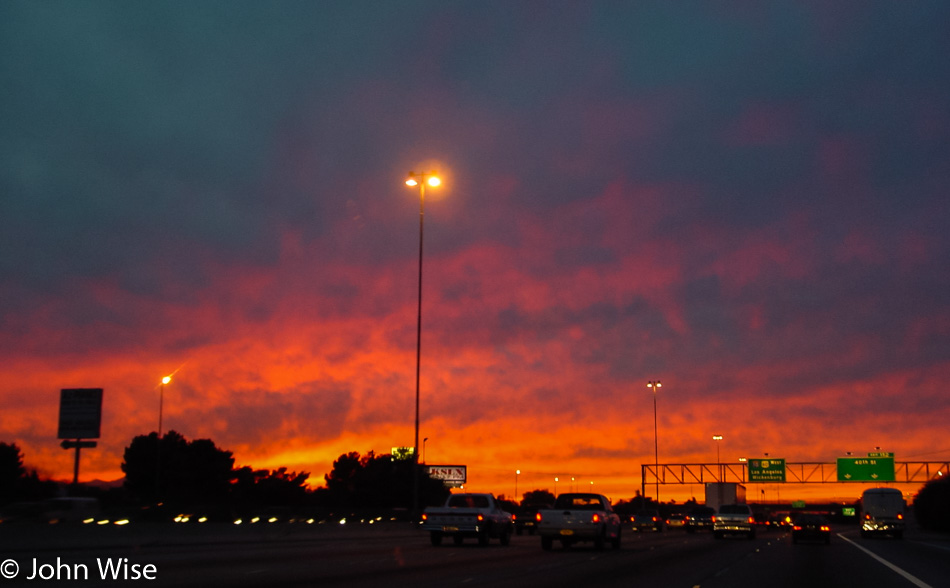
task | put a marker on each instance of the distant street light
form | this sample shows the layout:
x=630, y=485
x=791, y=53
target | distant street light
x=555, y=487
x=517, y=473
x=421, y=180
x=654, y=384
x=717, y=439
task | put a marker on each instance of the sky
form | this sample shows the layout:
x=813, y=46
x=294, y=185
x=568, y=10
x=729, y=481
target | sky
x=747, y=201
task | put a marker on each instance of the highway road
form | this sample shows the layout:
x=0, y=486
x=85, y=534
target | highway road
x=395, y=555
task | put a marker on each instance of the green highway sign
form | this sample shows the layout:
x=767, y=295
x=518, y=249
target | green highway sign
x=767, y=470
x=866, y=469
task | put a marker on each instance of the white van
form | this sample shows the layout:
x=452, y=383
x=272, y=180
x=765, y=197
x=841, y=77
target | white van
x=882, y=511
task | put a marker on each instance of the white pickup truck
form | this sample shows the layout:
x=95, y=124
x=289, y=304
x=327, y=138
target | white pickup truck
x=468, y=515
x=579, y=517
x=734, y=518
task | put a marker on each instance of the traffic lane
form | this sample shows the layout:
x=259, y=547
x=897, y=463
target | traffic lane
x=666, y=559
x=921, y=555
x=349, y=561
x=686, y=560
x=409, y=560
x=784, y=564
x=662, y=559
x=400, y=556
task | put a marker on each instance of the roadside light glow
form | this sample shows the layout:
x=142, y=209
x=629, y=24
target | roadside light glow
x=412, y=182
x=434, y=181
x=166, y=379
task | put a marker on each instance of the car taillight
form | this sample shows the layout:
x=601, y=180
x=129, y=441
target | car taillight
x=797, y=528
x=825, y=528
x=481, y=517
x=714, y=518
x=900, y=516
x=538, y=517
x=595, y=518
x=752, y=520
x=654, y=519
x=425, y=517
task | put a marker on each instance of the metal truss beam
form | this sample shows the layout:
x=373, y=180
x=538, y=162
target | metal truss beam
x=905, y=472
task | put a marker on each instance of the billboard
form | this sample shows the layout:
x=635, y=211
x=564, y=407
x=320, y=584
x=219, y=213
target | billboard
x=80, y=413
x=451, y=475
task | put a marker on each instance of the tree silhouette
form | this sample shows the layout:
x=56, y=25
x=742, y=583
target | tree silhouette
x=177, y=471
x=932, y=505
x=11, y=471
x=263, y=487
x=379, y=481
x=537, y=498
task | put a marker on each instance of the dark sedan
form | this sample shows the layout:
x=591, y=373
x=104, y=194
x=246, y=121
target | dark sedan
x=700, y=517
x=811, y=527
x=647, y=519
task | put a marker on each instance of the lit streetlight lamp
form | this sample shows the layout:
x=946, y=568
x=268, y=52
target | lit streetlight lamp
x=420, y=180
x=517, y=473
x=654, y=384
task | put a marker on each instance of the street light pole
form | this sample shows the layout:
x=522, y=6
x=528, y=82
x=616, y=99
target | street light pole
x=158, y=445
x=718, y=439
x=656, y=446
x=161, y=403
x=420, y=180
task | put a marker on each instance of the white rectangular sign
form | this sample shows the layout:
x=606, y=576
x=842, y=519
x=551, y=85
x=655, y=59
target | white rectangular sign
x=450, y=474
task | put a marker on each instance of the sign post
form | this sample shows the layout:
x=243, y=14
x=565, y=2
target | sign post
x=80, y=417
